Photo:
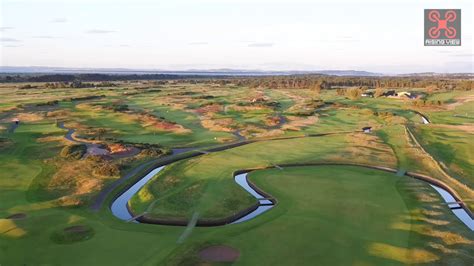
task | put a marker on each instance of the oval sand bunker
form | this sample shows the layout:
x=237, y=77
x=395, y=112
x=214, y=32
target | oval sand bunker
x=219, y=253
x=73, y=234
x=17, y=216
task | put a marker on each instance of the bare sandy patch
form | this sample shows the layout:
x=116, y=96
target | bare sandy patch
x=460, y=101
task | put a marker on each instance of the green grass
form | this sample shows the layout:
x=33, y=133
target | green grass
x=199, y=135
x=461, y=114
x=204, y=184
x=325, y=214
x=341, y=216
x=452, y=147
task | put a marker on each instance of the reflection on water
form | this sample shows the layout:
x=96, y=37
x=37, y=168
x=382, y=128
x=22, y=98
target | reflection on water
x=460, y=213
x=119, y=206
x=265, y=204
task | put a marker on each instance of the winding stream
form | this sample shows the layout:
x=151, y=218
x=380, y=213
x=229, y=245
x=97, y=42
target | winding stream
x=120, y=204
x=455, y=207
x=425, y=121
x=265, y=204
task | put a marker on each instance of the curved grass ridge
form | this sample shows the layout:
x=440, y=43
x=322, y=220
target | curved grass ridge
x=227, y=220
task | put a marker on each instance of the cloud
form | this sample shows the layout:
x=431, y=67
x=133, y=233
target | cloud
x=44, y=37
x=339, y=39
x=96, y=31
x=59, y=20
x=9, y=40
x=198, y=43
x=463, y=55
x=6, y=28
x=261, y=44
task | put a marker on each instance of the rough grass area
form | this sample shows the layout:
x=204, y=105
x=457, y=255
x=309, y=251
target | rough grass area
x=453, y=148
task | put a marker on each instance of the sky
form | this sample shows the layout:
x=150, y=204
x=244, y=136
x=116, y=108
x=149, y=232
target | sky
x=379, y=36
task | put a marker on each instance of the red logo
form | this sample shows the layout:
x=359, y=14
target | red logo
x=449, y=30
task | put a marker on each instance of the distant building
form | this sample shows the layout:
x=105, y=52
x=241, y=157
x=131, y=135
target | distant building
x=407, y=94
x=390, y=93
x=367, y=129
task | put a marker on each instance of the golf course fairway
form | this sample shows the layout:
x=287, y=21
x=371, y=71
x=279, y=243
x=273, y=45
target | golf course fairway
x=326, y=214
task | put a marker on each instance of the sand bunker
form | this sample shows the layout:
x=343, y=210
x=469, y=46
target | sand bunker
x=17, y=216
x=219, y=253
x=77, y=229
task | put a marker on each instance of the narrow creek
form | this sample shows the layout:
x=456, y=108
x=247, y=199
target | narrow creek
x=120, y=205
x=425, y=121
x=265, y=204
x=455, y=207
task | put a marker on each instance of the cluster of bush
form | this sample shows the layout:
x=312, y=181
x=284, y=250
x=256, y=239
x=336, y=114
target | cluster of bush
x=205, y=97
x=75, y=151
x=103, y=167
x=116, y=107
x=85, y=98
x=421, y=103
x=107, y=169
x=48, y=103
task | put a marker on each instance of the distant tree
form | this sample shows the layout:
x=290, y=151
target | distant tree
x=431, y=88
x=354, y=93
x=316, y=89
x=465, y=85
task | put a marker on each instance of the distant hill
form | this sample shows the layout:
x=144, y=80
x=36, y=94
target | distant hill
x=204, y=72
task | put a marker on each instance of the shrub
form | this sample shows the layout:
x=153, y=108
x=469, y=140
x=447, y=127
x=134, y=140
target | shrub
x=107, y=169
x=354, y=93
x=75, y=151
